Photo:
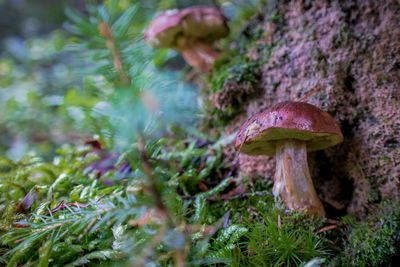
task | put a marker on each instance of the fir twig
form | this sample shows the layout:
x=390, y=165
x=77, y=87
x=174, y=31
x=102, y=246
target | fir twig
x=107, y=34
x=153, y=181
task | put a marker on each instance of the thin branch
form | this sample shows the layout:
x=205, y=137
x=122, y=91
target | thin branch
x=311, y=93
x=147, y=169
x=326, y=228
x=107, y=34
x=179, y=255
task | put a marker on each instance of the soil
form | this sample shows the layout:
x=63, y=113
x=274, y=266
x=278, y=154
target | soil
x=353, y=49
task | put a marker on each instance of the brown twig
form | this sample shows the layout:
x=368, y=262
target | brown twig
x=326, y=228
x=107, y=34
x=210, y=149
x=147, y=169
x=332, y=221
x=87, y=228
x=311, y=93
x=154, y=242
x=252, y=210
x=240, y=196
x=63, y=205
x=279, y=221
x=179, y=255
x=236, y=159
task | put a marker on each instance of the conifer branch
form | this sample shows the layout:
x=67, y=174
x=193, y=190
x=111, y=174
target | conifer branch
x=107, y=34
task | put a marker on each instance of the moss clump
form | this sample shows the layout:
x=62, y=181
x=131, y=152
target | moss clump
x=281, y=239
x=240, y=69
x=268, y=236
x=235, y=80
x=371, y=242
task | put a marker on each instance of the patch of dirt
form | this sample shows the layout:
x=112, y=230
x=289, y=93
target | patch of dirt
x=353, y=48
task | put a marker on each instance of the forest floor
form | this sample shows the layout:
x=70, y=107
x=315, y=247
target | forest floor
x=155, y=185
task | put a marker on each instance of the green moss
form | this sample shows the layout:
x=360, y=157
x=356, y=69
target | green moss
x=268, y=235
x=276, y=17
x=219, y=118
x=385, y=159
x=288, y=244
x=235, y=77
x=371, y=242
x=236, y=74
x=251, y=228
x=239, y=69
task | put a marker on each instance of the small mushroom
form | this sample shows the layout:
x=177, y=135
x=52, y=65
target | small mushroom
x=288, y=130
x=190, y=31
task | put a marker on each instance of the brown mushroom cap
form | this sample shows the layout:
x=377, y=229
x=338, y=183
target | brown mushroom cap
x=204, y=23
x=200, y=22
x=288, y=120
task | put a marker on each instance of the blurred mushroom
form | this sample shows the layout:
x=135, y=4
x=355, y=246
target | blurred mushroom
x=288, y=130
x=190, y=31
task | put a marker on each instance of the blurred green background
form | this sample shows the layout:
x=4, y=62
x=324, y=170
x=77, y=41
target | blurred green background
x=49, y=94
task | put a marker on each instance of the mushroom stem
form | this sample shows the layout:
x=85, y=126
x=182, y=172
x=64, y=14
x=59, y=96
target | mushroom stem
x=198, y=54
x=293, y=180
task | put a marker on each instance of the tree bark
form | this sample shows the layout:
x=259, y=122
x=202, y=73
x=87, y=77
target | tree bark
x=352, y=48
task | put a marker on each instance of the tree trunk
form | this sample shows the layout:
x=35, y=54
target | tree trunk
x=352, y=48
